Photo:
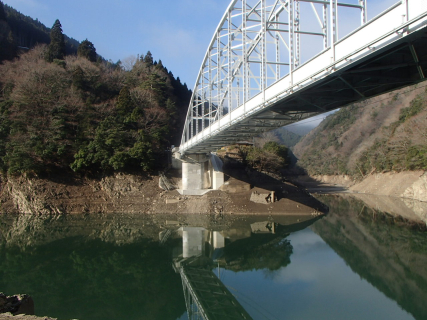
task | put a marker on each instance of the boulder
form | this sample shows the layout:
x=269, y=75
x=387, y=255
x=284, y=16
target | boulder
x=16, y=304
x=263, y=197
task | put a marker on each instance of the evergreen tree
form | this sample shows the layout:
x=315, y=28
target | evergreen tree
x=78, y=78
x=124, y=101
x=148, y=59
x=87, y=50
x=7, y=42
x=2, y=13
x=56, y=48
x=160, y=65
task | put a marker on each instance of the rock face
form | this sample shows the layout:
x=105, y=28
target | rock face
x=262, y=196
x=418, y=190
x=409, y=184
x=118, y=193
x=17, y=304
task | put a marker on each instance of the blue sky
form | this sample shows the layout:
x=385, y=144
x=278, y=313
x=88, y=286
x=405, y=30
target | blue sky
x=177, y=32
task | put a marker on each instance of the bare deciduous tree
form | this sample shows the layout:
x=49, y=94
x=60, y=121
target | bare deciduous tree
x=265, y=137
x=129, y=62
x=419, y=126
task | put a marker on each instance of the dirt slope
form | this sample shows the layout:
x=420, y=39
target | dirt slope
x=132, y=194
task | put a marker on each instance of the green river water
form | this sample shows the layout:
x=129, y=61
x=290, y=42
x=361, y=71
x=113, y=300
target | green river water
x=353, y=263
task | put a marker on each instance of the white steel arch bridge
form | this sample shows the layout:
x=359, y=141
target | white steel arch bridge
x=274, y=62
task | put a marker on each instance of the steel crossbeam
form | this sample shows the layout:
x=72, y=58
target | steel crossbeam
x=255, y=62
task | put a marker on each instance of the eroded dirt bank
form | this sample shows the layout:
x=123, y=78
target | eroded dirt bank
x=134, y=194
x=409, y=185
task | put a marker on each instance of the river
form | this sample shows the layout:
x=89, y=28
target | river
x=354, y=263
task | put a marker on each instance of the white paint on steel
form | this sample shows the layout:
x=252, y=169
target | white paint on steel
x=251, y=63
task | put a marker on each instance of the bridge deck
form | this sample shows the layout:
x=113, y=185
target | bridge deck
x=380, y=56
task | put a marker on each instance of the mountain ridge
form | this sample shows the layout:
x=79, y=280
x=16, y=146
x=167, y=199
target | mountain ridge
x=27, y=32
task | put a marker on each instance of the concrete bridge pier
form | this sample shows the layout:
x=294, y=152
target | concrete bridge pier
x=195, y=174
x=200, y=172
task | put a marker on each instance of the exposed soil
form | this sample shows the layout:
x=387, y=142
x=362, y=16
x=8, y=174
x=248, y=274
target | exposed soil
x=133, y=194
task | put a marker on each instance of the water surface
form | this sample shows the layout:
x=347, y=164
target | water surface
x=355, y=263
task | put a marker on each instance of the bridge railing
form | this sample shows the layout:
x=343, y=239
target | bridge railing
x=229, y=88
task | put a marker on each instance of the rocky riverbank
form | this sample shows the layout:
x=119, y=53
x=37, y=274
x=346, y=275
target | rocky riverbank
x=401, y=194
x=137, y=194
x=9, y=316
x=408, y=184
x=19, y=306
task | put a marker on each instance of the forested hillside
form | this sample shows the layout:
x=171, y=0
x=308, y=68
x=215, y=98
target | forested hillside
x=19, y=32
x=386, y=133
x=287, y=137
x=87, y=116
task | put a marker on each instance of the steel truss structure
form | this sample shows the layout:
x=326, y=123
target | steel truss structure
x=206, y=297
x=258, y=46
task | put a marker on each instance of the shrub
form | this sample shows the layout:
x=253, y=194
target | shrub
x=416, y=158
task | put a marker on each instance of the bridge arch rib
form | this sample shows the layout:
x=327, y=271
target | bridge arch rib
x=261, y=70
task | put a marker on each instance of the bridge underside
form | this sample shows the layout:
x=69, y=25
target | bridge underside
x=402, y=64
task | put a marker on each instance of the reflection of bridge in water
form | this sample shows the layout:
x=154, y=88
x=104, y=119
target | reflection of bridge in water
x=206, y=297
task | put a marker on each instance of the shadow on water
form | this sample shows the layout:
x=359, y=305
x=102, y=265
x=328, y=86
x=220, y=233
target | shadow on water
x=387, y=250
